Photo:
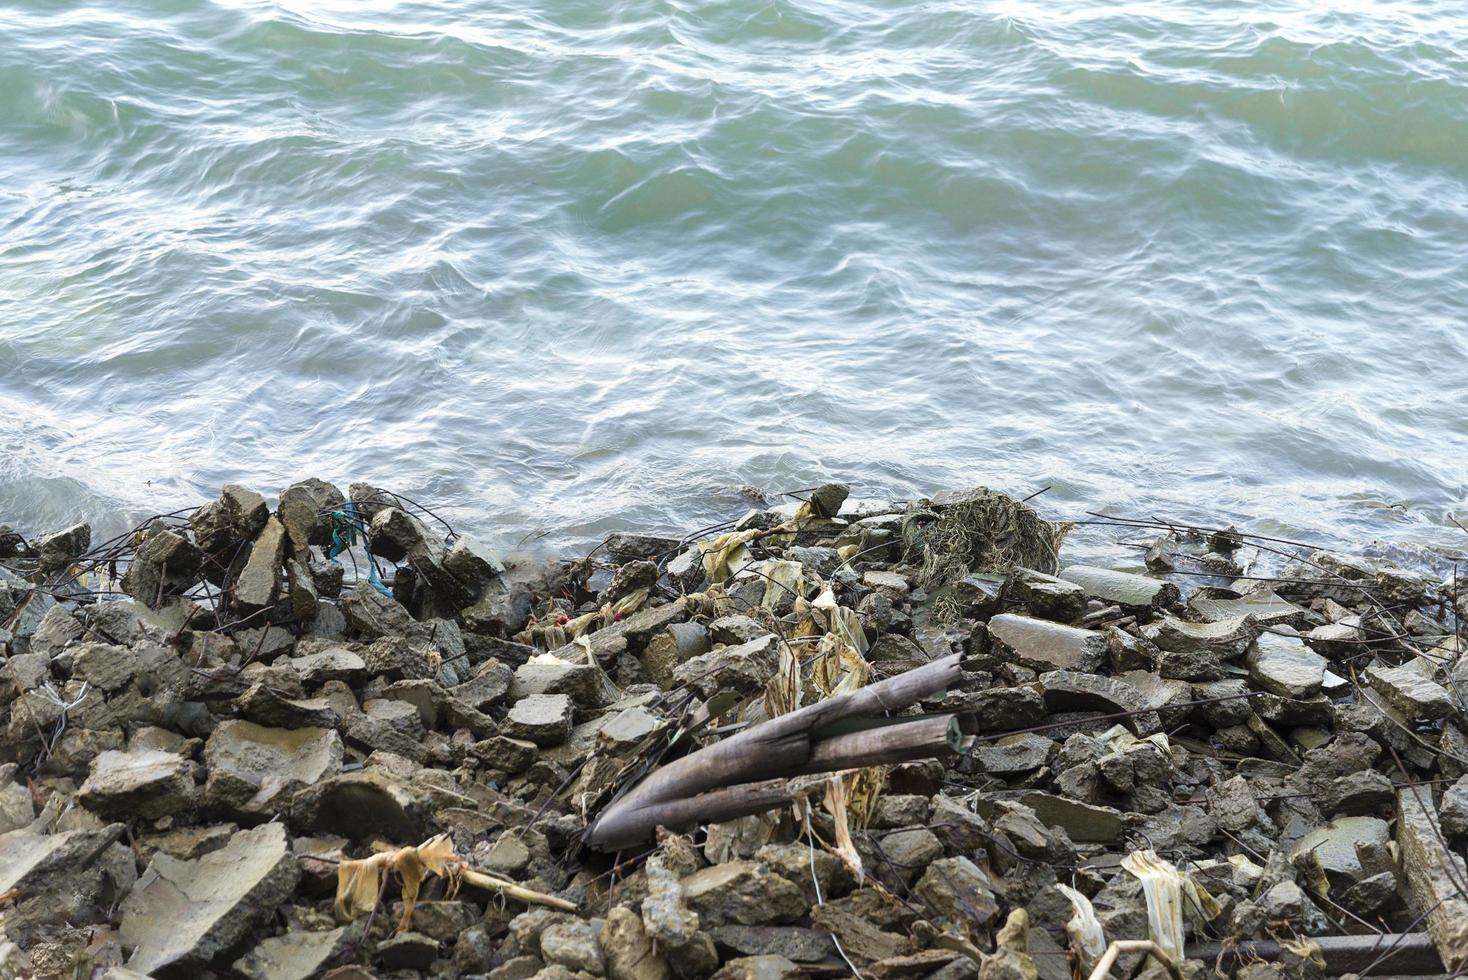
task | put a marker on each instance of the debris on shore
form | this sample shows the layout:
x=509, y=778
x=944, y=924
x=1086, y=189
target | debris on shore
x=334, y=737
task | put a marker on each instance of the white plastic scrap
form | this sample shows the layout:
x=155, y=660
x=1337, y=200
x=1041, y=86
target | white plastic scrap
x=1084, y=929
x=1119, y=739
x=1164, y=887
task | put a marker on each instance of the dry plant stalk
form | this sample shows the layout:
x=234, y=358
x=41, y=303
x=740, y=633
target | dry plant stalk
x=359, y=882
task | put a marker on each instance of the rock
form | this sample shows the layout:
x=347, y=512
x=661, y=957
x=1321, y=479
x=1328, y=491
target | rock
x=17, y=809
x=573, y=944
x=295, y=955
x=1266, y=608
x=144, y=783
x=1049, y=597
x=487, y=688
x=676, y=645
x=305, y=513
x=1362, y=792
x=981, y=595
x=889, y=583
x=1337, y=846
x=253, y=769
x=56, y=630
x=826, y=500
x=166, y=563
x=106, y=667
x=792, y=942
x=741, y=893
x=744, y=669
x=1083, y=822
x=1412, y=693
x=1066, y=690
x=1283, y=665
x=360, y=805
x=301, y=596
x=32, y=864
x=905, y=853
x=544, y=719
x=61, y=548
x=182, y=914
x=627, y=729
x=1226, y=639
x=1435, y=875
x=407, y=951
x=545, y=674
x=672, y=926
x=332, y=664
x=862, y=940
x=1003, y=709
x=623, y=546
x=628, y=951
x=819, y=875
x=1234, y=806
x=259, y=584
x=266, y=706
x=372, y=614
x=1139, y=595
x=958, y=892
x=473, y=564
x=758, y=968
x=1042, y=645
x=222, y=527
x=1452, y=813
x=513, y=755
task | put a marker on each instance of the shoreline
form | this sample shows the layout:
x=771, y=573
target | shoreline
x=251, y=692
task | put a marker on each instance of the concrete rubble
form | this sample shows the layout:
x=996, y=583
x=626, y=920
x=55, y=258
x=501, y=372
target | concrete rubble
x=209, y=723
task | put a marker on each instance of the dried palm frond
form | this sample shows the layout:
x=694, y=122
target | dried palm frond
x=359, y=882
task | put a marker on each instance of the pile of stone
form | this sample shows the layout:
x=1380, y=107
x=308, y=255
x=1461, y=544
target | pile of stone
x=203, y=722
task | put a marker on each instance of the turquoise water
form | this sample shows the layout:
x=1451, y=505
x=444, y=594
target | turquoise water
x=594, y=265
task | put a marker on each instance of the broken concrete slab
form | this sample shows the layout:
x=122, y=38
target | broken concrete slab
x=744, y=669
x=1409, y=690
x=146, y=782
x=182, y=914
x=544, y=719
x=1042, y=645
x=1138, y=595
x=1083, y=822
x=253, y=769
x=1266, y=608
x=259, y=583
x=741, y=893
x=1435, y=875
x=1283, y=665
x=296, y=955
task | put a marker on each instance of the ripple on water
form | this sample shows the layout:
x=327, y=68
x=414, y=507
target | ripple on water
x=593, y=267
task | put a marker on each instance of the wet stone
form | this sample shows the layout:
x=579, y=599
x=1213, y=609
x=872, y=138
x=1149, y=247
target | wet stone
x=1042, y=645
x=1049, y=597
x=60, y=548
x=1136, y=594
x=1283, y=665
x=1411, y=692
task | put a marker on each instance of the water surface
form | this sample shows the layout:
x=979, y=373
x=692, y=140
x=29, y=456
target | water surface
x=582, y=266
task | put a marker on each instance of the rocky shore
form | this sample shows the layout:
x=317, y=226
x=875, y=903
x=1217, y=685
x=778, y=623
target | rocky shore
x=328, y=735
